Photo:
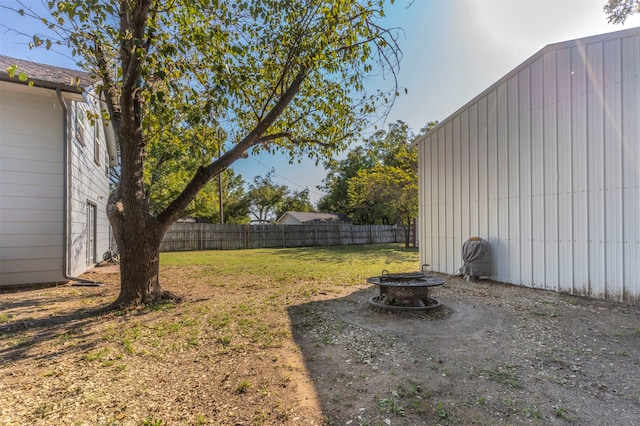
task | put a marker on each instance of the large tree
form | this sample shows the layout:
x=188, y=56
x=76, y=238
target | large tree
x=295, y=201
x=339, y=172
x=377, y=183
x=380, y=152
x=384, y=147
x=272, y=74
x=234, y=197
x=263, y=197
x=385, y=194
x=268, y=201
x=619, y=10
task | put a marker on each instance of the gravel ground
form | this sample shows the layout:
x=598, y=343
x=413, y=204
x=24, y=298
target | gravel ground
x=494, y=354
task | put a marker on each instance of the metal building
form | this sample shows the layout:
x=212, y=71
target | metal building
x=545, y=165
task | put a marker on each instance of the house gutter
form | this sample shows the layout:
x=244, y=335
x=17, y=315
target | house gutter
x=66, y=229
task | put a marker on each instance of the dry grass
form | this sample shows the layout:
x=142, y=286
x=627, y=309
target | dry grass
x=224, y=355
x=285, y=336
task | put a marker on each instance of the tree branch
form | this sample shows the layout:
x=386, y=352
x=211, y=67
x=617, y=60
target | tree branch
x=205, y=174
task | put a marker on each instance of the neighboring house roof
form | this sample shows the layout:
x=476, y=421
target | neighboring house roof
x=46, y=76
x=304, y=217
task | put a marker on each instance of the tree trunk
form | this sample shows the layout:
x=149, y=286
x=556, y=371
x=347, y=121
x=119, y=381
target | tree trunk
x=139, y=272
x=138, y=237
x=407, y=235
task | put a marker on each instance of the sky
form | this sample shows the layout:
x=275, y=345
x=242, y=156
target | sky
x=452, y=51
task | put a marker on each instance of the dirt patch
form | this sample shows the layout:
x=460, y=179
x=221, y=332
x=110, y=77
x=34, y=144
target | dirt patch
x=495, y=354
x=243, y=350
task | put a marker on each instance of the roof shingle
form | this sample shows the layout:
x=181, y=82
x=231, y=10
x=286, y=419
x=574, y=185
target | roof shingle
x=46, y=76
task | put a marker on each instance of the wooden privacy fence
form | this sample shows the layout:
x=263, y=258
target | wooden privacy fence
x=208, y=236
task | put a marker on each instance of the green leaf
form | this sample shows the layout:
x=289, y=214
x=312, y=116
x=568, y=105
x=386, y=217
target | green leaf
x=11, y=70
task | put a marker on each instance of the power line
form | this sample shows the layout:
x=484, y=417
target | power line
x=271, y=169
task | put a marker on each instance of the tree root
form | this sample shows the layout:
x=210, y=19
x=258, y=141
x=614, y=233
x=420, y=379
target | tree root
x=167, y=296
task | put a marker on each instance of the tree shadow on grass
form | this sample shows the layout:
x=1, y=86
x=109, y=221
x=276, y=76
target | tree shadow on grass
x=47, y=323
x=21, y=338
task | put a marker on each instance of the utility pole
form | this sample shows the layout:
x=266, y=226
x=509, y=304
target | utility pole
x=220, y=184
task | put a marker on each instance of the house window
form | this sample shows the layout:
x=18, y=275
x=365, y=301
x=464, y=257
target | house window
x=79, y=126
x=91, y=233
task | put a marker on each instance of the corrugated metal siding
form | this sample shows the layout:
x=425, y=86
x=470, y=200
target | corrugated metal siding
x=631, y=165
x=545, y=165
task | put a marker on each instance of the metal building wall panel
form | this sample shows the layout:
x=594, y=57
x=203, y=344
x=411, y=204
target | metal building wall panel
x=503, y=255
x=595, y=168
x=513, y=177
x=565, y=170
x=424, y=193
x=492, y=178
x=474, y=176
x=483, y=180
x=537, y=175
x=442, y=194
x=440, y=202
x=550, y=169
x=614, y=265
x=525, y=188
x=424, y=188
x=630, y=48
x=579, y=172
x=456, y=166
x=448, y=204
x=465, y=195
x=435, y=184
x=439, y=230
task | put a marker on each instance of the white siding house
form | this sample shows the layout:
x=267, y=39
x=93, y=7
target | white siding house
x=544, y=165
x=54, y=181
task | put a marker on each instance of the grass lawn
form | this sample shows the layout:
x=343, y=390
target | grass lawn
x=340, y=264
x=224, y=355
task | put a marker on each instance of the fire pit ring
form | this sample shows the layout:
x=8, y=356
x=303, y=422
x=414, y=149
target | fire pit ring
x=405, y=291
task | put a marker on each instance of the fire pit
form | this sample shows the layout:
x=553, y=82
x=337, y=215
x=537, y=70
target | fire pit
x=405, y=291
